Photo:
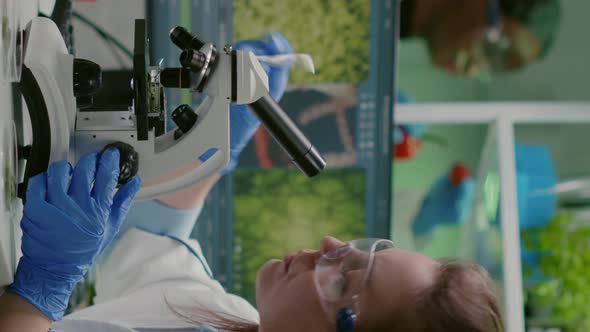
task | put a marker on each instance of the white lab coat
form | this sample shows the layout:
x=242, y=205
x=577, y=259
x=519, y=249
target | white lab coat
x=143, y=272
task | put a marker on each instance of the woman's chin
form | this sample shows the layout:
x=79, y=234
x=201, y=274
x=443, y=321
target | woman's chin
x=269, y=272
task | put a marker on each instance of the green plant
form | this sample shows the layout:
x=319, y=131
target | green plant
x=564, y=261
x=279, y=211
x=334, y=32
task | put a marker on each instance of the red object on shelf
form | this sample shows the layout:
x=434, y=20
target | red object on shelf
x=458, y=173
x=261, y=142
x=408, y=148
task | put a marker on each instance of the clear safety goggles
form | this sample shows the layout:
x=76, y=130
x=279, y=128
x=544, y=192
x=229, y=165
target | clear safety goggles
x=342, y=274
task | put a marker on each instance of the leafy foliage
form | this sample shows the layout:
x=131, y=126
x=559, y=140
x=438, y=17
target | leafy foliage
x=564, y=261
x=334, y=32
x=279, y=211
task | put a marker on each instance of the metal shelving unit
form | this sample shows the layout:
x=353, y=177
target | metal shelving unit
x=501, y=118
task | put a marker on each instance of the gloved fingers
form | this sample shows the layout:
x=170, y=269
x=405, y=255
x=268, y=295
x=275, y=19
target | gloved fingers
x=37, y=205
x=272, y=44
x=44, y=223
x=276, y=43
x=59, y=203
x=245, y=123
x=258, y=47
x=37, y=189
x=278, y=77
x=58, y=182
x=107, y=177
x=122, y=200
x=83, y=178
x=241, y=116
x=39, y=238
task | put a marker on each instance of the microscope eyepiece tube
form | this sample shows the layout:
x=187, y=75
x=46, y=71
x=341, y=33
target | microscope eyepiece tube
x=175, y=78
x=288, y=135
x=193, y=60
x=182, y=38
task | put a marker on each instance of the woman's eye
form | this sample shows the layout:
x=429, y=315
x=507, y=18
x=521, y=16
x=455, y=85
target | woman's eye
x=347, y=281
x=340, y=285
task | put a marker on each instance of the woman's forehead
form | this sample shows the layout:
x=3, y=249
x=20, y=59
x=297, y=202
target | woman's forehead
x=396, y=271
x=394, y=283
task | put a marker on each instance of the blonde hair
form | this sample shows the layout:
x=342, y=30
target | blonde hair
x=461, y=299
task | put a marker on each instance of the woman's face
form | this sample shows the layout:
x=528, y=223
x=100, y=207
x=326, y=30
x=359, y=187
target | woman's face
x=287, y=299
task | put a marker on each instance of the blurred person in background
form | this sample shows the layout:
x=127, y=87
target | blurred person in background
x=478, y=37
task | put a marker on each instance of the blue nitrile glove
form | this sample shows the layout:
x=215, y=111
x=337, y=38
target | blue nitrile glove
x=242, y=122
x=66, y=225
x=446, y=203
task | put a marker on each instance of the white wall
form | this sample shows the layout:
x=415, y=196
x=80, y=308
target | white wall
x=114, y=16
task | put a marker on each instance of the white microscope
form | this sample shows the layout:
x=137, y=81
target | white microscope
x=56, y=86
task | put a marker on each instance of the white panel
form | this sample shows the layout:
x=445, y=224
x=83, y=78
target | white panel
x=514, y=305
x=7, y=180
x=10, y=207
x=115, y=18
x=533, y=112
x=30, y=8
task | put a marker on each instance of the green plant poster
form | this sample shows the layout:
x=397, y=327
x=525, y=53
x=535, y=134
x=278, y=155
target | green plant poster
x=280, y=211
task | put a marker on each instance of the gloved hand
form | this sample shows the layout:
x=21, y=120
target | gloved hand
x=243, y=123
x=66, y=225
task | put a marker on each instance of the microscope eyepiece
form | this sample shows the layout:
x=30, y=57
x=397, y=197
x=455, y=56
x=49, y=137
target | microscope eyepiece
x=193, y=60
x=184, y=39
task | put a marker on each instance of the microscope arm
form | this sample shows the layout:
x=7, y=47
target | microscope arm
x=226, y=77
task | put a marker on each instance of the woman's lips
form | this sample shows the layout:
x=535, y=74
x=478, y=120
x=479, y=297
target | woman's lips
x=288, y=260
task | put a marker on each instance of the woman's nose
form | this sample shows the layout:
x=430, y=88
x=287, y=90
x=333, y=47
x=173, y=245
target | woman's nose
x=329, y=243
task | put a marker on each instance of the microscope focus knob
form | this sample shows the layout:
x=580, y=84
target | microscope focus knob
x=184, y=117
x=87, y=78
x=128, y=161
